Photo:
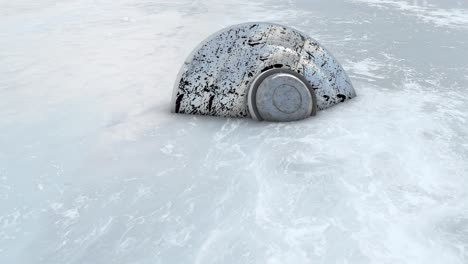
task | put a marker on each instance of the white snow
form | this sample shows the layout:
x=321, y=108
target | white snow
x=95, y=169
x=450, y=17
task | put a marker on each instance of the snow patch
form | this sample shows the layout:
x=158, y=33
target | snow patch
x=454, y=17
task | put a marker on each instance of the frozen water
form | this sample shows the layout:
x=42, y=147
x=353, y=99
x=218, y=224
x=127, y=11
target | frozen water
x=94, y=168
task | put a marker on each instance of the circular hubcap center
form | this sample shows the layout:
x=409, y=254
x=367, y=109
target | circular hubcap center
x=280, y=95
x=287, y=98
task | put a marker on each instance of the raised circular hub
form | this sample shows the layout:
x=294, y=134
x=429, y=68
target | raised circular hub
x=287, y=98
x=281, y=95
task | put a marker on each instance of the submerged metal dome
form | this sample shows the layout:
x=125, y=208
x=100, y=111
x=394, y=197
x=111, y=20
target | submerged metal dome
x=260, y=70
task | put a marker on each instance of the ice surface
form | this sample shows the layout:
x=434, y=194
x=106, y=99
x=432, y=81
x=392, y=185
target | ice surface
x=94, y=168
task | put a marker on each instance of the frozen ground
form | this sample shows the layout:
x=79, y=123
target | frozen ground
x=94, y=169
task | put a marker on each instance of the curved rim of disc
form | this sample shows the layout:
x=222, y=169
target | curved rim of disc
x=253, y=87
x=213, y=35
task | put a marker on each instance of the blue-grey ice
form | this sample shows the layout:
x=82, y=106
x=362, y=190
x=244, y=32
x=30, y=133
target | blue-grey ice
x=95, y=169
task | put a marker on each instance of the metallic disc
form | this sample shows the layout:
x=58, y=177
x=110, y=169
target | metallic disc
x=281, y=95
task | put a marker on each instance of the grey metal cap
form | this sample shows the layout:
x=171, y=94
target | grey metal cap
x=281, y=95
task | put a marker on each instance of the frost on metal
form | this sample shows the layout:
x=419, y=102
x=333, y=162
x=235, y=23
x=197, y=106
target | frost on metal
x=216, y=77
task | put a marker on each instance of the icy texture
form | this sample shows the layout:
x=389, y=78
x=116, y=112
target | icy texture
x=94, y=168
